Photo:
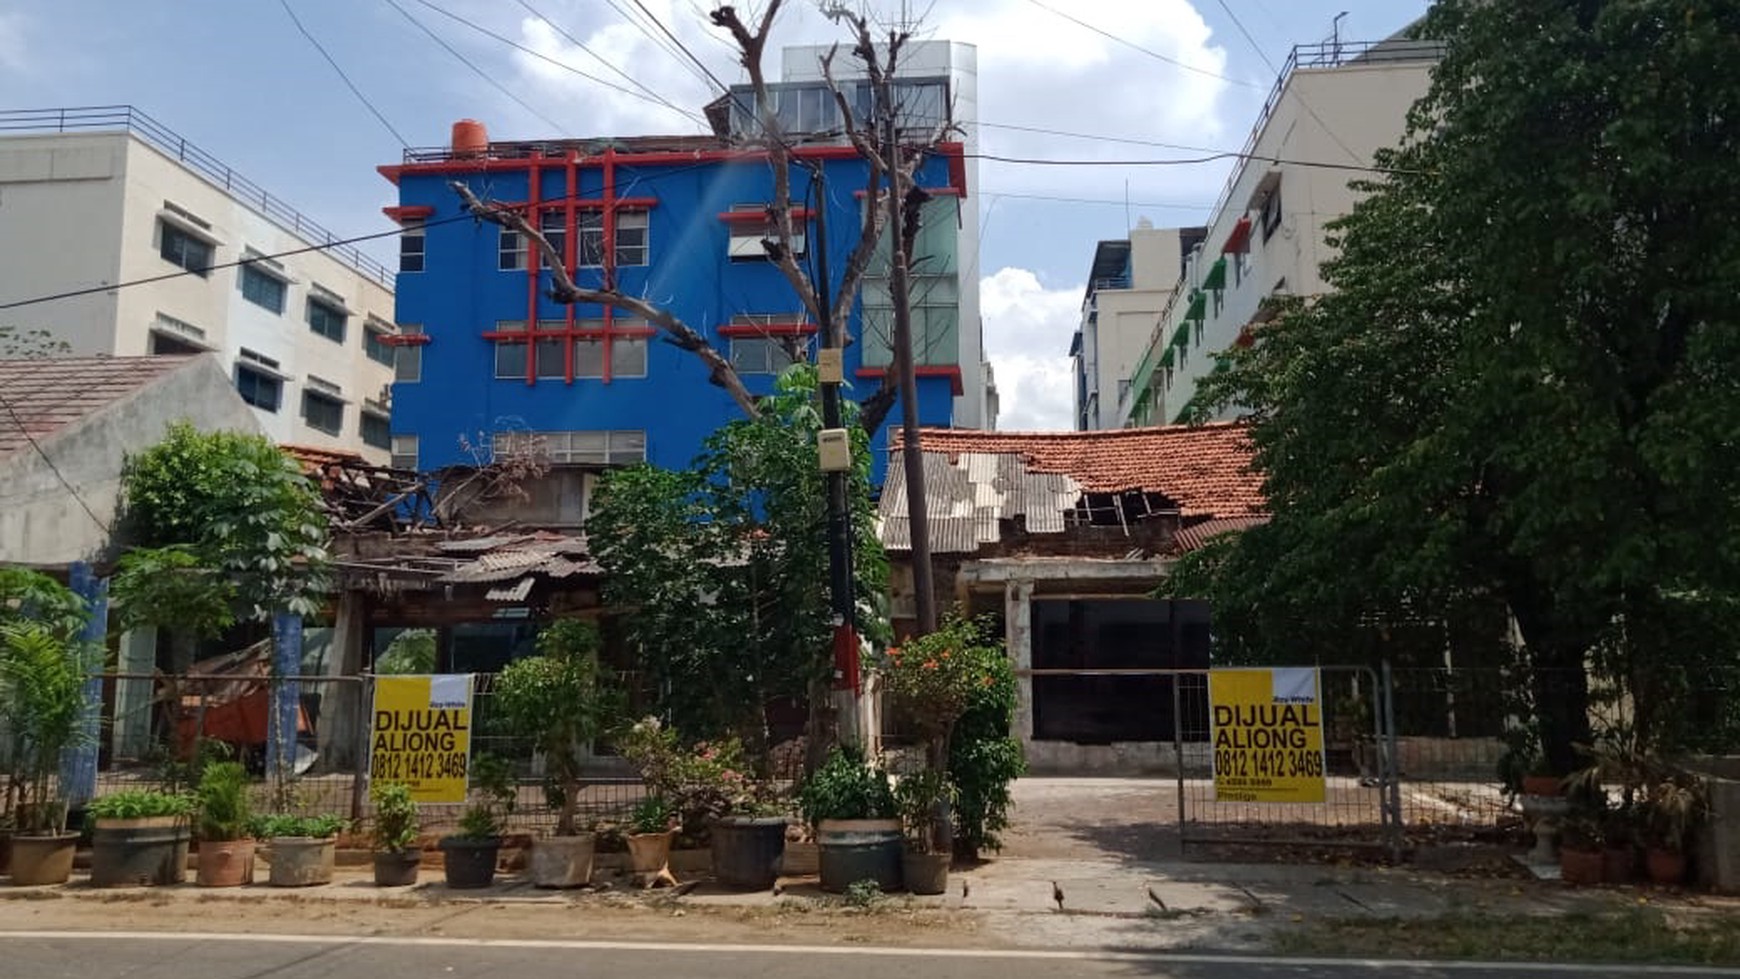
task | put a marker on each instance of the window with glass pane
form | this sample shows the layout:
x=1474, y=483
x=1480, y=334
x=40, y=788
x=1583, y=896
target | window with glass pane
x=404, y=449
x=935, y=321
x=588, y=358
x=759, y=355
x=554, y=225
x=262, y=290
x=510, y=359
x=550, y=359
x=590, y=253
x=180, y=248
x=326, y=320
x=627, y=447
x=510, y=251
x=322, y=413
x=375, y=346
x=631, y=238
x=628, y=357
x=408, y=359
x=374, y=431
x=259, y=389
x=411, y=245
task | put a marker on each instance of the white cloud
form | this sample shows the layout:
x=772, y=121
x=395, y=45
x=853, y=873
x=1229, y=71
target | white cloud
x=12, y=43
x=1027, y=333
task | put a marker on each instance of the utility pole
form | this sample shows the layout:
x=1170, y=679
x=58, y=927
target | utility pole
x=847, y=672
x=911, y=455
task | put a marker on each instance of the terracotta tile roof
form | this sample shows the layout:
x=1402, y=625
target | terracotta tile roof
x=40, y=397
x=1205, y=469
x=1196, y=535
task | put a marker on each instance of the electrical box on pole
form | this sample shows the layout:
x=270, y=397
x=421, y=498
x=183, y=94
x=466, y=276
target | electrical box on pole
x=830, y=365
x=834, y=446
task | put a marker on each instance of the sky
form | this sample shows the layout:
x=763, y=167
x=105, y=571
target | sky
x=1159, y=79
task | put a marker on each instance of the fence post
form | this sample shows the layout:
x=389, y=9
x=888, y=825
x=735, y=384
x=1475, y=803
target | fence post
x=364, y=749
x=285, y=697
x=1391, y=765
x=78, y=766
x=1178, y=751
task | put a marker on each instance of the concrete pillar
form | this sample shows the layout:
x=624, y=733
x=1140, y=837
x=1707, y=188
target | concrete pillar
x=341, y=705
x=130, y=730
x=286, y=694
x=78, y=765
x=1018, y=646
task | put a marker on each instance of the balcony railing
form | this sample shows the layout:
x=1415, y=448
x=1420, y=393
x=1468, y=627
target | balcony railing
x=125, y=118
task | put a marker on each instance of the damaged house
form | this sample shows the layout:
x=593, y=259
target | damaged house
x=1065, y=536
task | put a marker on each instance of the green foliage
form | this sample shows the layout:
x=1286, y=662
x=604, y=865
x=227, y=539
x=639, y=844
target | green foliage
x=863, y=894
x=726, y=565
x=846, y=787
x=411, y=652
x=238, y=505
x=396, y=828
x=984, y=760
x=141, y=804
x=915, y=797
x=701, y=782
x=172, y=587
x=560, y=701
x=494, y=795
x=43, y=711
x=225, y=810
x=652, y=814
x=289, y=824
x=27, y=595
x=1522, y=385
x=933, y=678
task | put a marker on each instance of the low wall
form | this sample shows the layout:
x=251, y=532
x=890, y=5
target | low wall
x=1421, y=759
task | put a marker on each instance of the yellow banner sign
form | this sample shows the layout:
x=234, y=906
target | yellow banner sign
x=1268, y=735
x=421, y=734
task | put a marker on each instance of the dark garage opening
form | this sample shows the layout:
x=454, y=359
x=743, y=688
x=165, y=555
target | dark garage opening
x=1114, y=634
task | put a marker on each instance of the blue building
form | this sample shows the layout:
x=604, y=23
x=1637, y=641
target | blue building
x=676, y=220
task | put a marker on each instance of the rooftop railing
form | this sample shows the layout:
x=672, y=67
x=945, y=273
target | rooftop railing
x=125, y=118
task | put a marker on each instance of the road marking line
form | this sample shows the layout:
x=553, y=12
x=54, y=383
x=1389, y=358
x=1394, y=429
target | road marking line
x=1098, y=955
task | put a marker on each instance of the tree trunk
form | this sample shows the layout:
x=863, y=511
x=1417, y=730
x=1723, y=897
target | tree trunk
x=1558, y=676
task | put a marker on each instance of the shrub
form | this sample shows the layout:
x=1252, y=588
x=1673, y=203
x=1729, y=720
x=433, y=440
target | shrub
x=224, y=809
x=983, y=760
x=289, y=824
x=652, y=814
x=140, y=804
x=396, y=828
x=846, y=787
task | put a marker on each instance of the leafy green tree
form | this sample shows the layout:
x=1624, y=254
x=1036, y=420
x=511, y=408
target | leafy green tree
x=411, y=652
x=723, y=567
x=218, y=522
x=1523, y=385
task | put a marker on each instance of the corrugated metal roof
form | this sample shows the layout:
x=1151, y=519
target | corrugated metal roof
x=968, y=496
x=513, y=593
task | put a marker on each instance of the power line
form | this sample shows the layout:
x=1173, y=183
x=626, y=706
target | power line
x=347, y=82
x=680, y=45
x=1296, y=94
x=1126, y=42
x=1184, y=162
x=1130, y=140
x=1173, y=205
x=658, y=42
x=595, y=56
x=544, y=57
x=486, y=76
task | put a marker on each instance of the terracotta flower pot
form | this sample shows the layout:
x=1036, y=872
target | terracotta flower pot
x=1665, y=866
x=1548, y=785
x=1619, y=864
x=649, y=852
x=43, y=859
x=1580, y=867
x=224, y=863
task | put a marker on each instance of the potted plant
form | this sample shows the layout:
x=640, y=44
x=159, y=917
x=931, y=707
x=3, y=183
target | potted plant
x=650, y=835
x=226, y=824
x=559, y=701
x=1672, y=808
x=44, y=710
x=1580, y=845
x=469, y=854
x=851, y=806
x=924, y=863
x=139, y=836
x=1619, y=830
x=302, y=849
x=396, y=834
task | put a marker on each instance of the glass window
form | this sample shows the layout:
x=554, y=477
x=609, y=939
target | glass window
x=588, y=358
x=591, y=251
x=631, y=237
x=322, y=413
x=759, y=355
x=404, y=449
x=264, y=291
x=178, y=247
x=554, y=225
x=935, y=322
x=259, y=389
x=510, y=359
x=550, y=359
x=408, y=359
x=375, y=345
x=628, y=357
x=327, y=320
x=412, y=243
x=510, y=251
x=374, y=431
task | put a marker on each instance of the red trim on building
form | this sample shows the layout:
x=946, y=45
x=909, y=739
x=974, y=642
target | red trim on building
x=766, y=329
x=957, y=157
x=1239, y=239
x=400, y=213
x=403, y=339
x=473, y=165
x=950, y=371
x=797, y=214
x=534, y=194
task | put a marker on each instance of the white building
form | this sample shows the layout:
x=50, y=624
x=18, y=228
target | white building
x=1131, y=281
x=936, y=82
x=94, y=197
x=1333, y=106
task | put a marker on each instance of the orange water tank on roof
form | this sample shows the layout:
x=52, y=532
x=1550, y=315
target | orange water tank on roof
x=470, y=138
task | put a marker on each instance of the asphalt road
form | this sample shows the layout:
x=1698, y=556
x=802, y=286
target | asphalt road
x=46, y=955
